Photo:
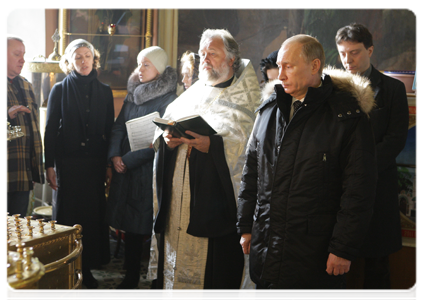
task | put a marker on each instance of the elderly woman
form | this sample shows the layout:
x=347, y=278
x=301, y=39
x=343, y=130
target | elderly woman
x=80, y=116
x=189, y=68
x=151, y=87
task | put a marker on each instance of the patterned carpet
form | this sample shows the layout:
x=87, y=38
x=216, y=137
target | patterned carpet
x=113, y=273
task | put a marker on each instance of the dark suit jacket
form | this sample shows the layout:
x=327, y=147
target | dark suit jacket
x=390, y=126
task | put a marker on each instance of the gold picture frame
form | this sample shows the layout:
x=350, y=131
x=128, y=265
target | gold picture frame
x=118, y=34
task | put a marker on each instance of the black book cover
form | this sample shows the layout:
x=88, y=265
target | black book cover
x=192, y=123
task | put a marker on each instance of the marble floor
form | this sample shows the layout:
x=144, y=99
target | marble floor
x=110, y=275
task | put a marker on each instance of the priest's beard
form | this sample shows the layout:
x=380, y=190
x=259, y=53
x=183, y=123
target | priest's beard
x=214, y=75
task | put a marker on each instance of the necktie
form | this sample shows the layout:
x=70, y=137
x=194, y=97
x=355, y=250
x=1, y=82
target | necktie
x=297, y=104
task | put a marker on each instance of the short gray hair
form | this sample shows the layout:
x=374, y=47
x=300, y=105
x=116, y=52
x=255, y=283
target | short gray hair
x=311, y=49
x=231, y=46
x=14, y=37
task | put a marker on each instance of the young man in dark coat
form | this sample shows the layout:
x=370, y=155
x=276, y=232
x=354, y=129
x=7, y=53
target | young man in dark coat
x=389, y=121
x=308, y=183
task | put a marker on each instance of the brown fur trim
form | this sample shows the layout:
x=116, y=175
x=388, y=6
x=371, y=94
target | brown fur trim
x=358, y=86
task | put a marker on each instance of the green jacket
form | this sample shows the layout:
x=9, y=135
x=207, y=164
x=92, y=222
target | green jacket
x=22, y=167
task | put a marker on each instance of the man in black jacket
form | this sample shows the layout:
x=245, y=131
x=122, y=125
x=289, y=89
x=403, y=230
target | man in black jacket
x=308, y=183
x=389, y=120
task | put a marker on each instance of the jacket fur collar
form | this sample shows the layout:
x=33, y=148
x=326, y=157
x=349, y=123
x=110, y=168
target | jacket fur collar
x=140, y=93
x=268, y=89
x=358, y=86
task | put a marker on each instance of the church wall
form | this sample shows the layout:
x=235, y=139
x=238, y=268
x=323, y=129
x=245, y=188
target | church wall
x=259, y=32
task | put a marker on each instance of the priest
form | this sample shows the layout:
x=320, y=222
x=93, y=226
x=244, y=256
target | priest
x=197, y=179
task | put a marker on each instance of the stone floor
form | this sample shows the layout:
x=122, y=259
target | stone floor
x=113, y=273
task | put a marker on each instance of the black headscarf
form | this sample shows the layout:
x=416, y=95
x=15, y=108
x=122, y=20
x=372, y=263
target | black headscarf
x=268, y=63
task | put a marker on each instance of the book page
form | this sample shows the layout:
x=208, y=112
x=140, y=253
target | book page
x=141, y=131
x=187, y=118
x=162, y=121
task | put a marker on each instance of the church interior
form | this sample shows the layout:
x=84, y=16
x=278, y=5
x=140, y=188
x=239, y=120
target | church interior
x=54, y=250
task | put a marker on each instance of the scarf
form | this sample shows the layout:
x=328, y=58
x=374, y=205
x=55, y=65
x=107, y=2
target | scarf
x=139, y=93
x=74, y=108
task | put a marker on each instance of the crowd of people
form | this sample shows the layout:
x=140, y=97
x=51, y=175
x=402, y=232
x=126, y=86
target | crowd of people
x=298, y=183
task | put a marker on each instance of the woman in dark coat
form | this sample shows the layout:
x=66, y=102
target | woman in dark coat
x=151, y=87
x=80, y=116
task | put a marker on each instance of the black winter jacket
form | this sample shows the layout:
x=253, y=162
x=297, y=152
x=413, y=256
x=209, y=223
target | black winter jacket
x=130, y=203
x=308, y=184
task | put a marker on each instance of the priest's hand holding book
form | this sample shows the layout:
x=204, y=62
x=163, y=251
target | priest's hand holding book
x=193, y=131
x=200, y=142
x=171, y=142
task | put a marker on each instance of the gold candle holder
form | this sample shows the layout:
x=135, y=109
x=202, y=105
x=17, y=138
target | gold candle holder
x=28, y=253
x=19, y=269
x=30, y=231
x=16, y=216
x=20, y=249
x=42, y=228
x=28, y=220
x=19, y=233
x=55, y=56
x=52, y=224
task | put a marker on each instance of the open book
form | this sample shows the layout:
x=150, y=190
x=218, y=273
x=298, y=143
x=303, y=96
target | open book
x=141, y=131
x=192, y=123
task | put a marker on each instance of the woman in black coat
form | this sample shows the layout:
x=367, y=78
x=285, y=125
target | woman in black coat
x=80, y=116
x=151, y=87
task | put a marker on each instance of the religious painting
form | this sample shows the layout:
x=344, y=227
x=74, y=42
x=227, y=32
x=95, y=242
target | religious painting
x=118, y=34
x=260, y=32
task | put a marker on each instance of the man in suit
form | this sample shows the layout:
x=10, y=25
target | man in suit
x=390, y=124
